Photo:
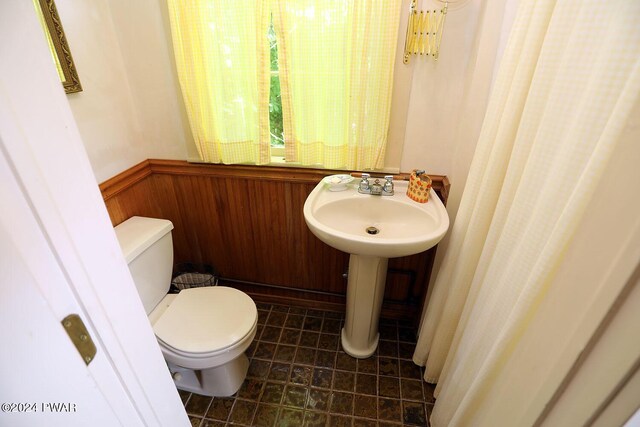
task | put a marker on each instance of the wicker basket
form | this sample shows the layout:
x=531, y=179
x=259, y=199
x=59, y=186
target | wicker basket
x=419, y=187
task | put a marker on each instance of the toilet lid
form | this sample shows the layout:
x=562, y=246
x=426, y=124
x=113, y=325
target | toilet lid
x=208, y=319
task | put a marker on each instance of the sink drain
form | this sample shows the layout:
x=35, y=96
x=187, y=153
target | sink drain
x=372, y=230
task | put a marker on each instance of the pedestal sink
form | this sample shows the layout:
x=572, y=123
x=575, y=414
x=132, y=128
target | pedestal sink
x=371, y=229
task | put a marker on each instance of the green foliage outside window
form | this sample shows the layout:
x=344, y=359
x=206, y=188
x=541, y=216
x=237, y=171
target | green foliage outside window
x=275, y=102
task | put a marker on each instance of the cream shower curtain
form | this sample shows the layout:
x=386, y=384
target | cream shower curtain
x=568, y=79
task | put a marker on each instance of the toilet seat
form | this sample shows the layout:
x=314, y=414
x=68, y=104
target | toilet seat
x=202, y=322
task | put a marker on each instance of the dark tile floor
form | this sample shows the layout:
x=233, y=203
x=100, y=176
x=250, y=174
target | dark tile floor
x=299, y=376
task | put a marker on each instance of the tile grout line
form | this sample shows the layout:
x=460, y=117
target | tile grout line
x=264, y=386
x=206, y=411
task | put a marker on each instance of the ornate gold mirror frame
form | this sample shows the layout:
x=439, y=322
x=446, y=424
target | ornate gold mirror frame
x=58, y=45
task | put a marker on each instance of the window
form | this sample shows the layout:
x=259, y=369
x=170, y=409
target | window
x=308, y=78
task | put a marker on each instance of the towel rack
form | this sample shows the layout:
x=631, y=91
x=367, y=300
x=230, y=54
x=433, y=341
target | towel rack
x=424, y=31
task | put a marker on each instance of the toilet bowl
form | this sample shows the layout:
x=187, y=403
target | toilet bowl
x=202, y=332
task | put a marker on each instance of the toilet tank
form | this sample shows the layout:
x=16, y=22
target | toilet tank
x=147, y=246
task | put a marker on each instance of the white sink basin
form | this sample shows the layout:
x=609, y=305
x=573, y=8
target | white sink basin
x=344, y=220
x=341, y=219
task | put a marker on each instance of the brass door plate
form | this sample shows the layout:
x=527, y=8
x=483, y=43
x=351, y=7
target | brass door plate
x=80, y=337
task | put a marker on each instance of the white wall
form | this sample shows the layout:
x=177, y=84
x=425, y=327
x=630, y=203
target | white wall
x=436, y=94
x=128, y=110
x=448, y=97
x=430, y=96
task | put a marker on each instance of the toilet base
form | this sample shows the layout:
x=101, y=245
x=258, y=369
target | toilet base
x=223, y=380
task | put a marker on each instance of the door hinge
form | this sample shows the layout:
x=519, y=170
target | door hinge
x=80, y=337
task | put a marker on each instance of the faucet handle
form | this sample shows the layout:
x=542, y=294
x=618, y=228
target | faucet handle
x=363, y=187
x=387, y=188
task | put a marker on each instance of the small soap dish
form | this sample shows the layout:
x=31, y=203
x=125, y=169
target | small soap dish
x=337, y=182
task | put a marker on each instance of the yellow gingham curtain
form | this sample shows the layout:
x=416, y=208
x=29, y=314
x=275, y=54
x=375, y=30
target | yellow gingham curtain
x=336, y=61
x=222, y=57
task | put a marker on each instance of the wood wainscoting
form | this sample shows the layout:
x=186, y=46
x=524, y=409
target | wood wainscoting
x=247, y=222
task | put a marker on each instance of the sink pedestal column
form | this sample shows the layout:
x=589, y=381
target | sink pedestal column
x=365, y=291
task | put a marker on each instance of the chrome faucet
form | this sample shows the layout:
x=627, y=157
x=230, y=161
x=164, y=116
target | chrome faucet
x=376, y=189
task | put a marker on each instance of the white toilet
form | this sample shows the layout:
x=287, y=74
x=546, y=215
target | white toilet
x=202, y=332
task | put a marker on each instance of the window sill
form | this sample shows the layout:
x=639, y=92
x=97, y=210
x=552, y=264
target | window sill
x=278, y=160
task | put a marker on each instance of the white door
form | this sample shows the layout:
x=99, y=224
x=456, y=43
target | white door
x=45, y=381
x=59, y=256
